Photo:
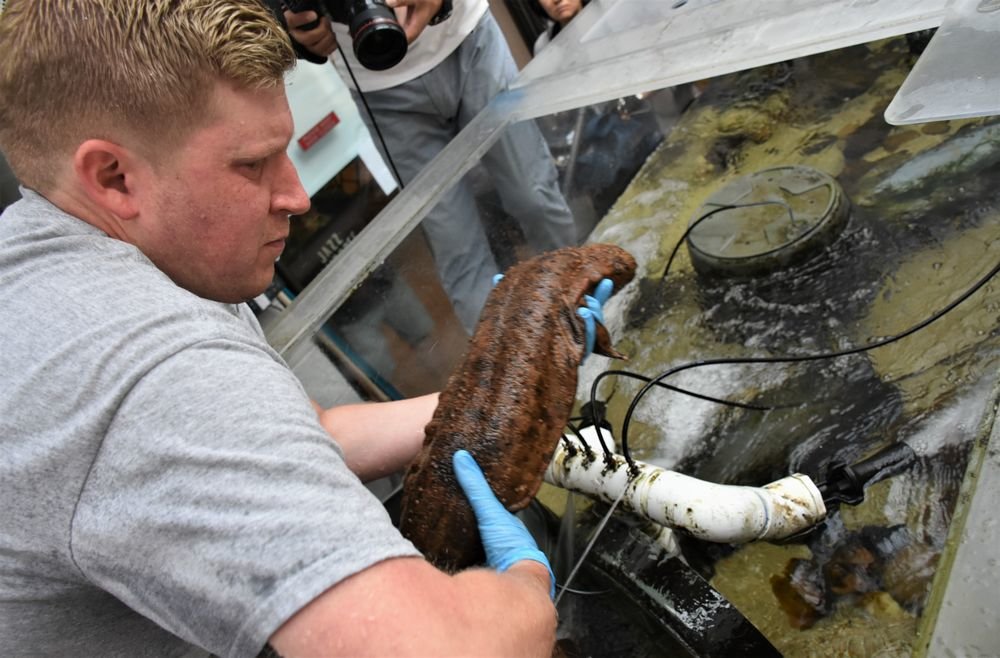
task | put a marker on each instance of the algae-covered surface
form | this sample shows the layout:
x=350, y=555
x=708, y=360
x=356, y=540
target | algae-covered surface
x=924, y=228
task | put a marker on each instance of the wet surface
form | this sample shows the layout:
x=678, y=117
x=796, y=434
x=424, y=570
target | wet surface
x=631, y=599
x=924, y=227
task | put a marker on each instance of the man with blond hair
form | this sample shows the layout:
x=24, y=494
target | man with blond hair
x=167, y=487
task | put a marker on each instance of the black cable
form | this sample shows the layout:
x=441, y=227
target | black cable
x=690, y=393
x=694, y=224
x=657, y=381
x=666, y=270
x=371, y=115
x=570, y=448
x=626, y=373
x=794, y=359
x=583, y=442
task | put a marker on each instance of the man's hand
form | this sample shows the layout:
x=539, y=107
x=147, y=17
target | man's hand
x=504, y=536
x=318, y=38
x=593, y=314
x=414, y=15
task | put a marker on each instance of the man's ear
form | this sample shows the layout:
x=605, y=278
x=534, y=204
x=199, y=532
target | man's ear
x=107, y=173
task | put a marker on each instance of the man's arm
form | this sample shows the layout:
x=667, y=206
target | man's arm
x=405, y=607
x=379, y=438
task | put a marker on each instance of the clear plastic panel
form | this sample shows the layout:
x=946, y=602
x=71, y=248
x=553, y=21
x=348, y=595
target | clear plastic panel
x=634, y=169
x=568, y=76
x=956, y=77
x=406, y=326
x=865, y=580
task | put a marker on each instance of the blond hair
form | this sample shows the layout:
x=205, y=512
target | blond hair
x=72, y=70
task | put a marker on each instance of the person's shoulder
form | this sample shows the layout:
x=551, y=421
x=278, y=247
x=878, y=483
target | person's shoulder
x=61, y=269
x=545, y=38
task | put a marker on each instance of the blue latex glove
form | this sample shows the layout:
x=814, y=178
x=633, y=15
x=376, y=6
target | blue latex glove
x=504, y=536
x=591, y=314
x=594, y=313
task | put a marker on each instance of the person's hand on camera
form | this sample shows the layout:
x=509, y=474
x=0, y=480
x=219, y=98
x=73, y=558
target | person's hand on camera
x=414, y=15
x=505, y=538
x=312, y=32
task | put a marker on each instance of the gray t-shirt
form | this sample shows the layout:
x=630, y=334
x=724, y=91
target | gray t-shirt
x=164, y=482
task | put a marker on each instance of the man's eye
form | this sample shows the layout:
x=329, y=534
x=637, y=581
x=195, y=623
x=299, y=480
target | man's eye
x=255, y=165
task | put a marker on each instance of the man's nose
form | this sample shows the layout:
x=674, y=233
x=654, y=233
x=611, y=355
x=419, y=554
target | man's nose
x=289, y=197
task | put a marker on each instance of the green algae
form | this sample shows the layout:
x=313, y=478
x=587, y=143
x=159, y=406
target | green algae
x=937, y=215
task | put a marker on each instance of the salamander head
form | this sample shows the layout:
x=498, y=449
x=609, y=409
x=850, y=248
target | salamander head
x=613, y=262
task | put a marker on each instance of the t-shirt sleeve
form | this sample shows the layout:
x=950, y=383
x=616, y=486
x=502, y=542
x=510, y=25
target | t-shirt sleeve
x=217, y=505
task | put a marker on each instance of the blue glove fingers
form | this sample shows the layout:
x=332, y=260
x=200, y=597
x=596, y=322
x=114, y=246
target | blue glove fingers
x=504, y=536
x=595, y=307
x=603, y=291
x=501, y=531
x=484, y=502
x=594, y=313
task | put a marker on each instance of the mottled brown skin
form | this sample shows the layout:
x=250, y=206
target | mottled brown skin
x=509, y=401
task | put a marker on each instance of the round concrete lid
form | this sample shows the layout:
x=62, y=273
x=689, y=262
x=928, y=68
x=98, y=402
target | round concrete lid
x=767, y=220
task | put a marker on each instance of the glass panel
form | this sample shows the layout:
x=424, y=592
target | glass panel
x=824, y=230
x=684, y=49
x=598, y=149
x=953, y=78
x=378, y=336
x=771, y=157
x=404, y=329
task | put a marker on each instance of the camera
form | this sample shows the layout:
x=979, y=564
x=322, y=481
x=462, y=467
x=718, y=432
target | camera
x=379, y=40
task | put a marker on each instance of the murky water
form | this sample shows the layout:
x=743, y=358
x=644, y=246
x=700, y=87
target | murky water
x=924, y=228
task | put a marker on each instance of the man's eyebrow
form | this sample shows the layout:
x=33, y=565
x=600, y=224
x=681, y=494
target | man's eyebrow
x=260, y=151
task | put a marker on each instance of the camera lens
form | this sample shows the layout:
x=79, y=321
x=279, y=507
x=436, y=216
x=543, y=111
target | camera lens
x=379, y=41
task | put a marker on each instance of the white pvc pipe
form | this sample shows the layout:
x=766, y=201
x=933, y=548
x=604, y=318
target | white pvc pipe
x=714, y=512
